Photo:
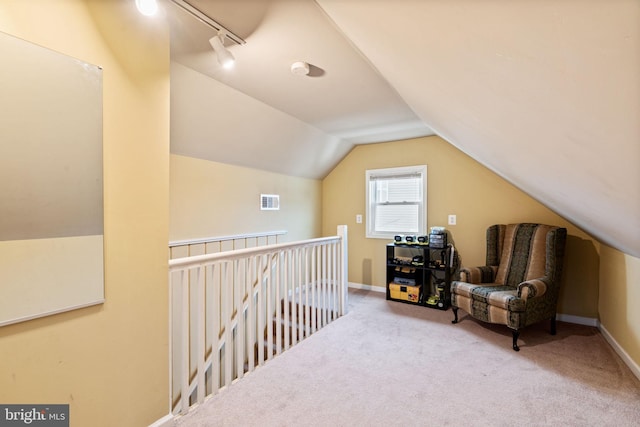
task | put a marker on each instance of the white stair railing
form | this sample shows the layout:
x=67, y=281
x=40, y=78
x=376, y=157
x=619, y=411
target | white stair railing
x=233, y=311
x=207, y=245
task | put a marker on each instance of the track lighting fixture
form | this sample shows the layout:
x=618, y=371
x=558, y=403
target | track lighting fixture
x=225, y=58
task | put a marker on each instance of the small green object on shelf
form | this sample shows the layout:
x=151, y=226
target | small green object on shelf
x=433, y=300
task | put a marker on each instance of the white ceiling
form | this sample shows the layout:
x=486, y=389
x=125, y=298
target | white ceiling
x=343, y=96
x=546, y=94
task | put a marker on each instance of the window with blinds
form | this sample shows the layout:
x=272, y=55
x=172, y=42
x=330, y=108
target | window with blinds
x=396, y=201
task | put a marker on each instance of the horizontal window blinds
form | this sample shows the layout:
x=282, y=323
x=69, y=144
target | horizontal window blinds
x=396, y=190
x=397, y=219
x=396, y=201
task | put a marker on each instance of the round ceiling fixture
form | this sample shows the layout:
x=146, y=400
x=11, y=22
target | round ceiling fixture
x=300, y=68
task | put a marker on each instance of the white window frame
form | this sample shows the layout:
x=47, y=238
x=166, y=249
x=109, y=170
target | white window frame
x=372, y=202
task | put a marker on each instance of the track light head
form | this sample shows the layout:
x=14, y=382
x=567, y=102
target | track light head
x=225, y=58
x=147, y=7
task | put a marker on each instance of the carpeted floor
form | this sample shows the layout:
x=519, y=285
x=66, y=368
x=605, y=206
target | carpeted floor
x=392, y=364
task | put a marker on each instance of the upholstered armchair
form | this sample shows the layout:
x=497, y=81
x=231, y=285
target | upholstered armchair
x=520, y=284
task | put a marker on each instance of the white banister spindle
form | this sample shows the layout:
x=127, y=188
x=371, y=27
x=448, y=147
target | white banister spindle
x=332, y=281
x=269, y=304
x=186, y=345
x=295, y=296
x=307, y=308
x=285, y=299
x=320, y=308
x=228, y=328
x=239, y=270
x=251, y=315
x=295, y=305
x=344, y=269
x=261, y=310
x=325, y=296
x=225, y=305
x=214, y=332
x=277, y=309
x=201, y=334
x=301, y=293
x=315, y=291
x=294, y=300
x=314, y=288
x=338, y=282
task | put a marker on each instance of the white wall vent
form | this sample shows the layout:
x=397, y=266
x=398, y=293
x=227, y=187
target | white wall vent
x=269, y=202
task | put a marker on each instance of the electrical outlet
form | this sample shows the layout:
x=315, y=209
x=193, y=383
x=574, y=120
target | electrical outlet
x=358, y=219
x=452, y=220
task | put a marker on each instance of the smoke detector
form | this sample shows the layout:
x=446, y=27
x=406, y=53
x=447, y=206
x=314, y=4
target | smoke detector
x=300, y=68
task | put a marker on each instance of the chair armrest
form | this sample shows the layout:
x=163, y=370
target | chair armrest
x=533, y=288
x=484, y=274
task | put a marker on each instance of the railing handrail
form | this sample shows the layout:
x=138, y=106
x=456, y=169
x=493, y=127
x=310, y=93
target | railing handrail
x=232, y=311
x=202, y=240
x=191, y=261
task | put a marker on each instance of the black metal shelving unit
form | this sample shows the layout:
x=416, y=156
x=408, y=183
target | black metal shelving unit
x=431, y=274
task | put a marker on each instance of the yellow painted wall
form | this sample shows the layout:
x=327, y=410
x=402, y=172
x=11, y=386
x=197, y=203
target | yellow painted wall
x=459, y=185
x=211, y=199
x=109, y=362
x=619, y=297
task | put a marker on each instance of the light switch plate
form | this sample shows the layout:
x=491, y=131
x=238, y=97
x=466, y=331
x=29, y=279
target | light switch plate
x=452, y=220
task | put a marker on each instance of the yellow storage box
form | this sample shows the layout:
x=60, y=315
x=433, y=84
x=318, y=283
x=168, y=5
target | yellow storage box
x=404, y=292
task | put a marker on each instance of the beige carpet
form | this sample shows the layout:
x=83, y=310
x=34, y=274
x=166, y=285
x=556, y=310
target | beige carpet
x=392, y=364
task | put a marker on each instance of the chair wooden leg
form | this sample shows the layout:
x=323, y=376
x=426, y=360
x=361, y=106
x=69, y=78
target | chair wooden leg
x=516, y=334
x=455, y=314
x=553, y=325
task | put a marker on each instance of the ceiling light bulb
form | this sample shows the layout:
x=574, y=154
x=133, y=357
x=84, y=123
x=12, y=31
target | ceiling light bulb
x=225, y=58
x=147, y=7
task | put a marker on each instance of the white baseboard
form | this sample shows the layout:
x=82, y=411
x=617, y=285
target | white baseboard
x=587, y=321
x=635, y=368
x=166, y=421
x=367, y=287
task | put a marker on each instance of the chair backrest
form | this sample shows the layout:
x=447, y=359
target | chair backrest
x=525, y=251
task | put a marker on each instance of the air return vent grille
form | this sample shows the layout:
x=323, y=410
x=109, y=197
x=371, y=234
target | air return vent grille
x=269, y=202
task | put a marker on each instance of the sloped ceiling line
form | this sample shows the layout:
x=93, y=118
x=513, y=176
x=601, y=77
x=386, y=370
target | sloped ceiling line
x=546, y=94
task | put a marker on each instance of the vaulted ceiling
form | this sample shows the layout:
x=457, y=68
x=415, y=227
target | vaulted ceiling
x=544, y=93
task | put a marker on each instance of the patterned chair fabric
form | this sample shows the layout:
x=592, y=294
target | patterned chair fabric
x=520, y=283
